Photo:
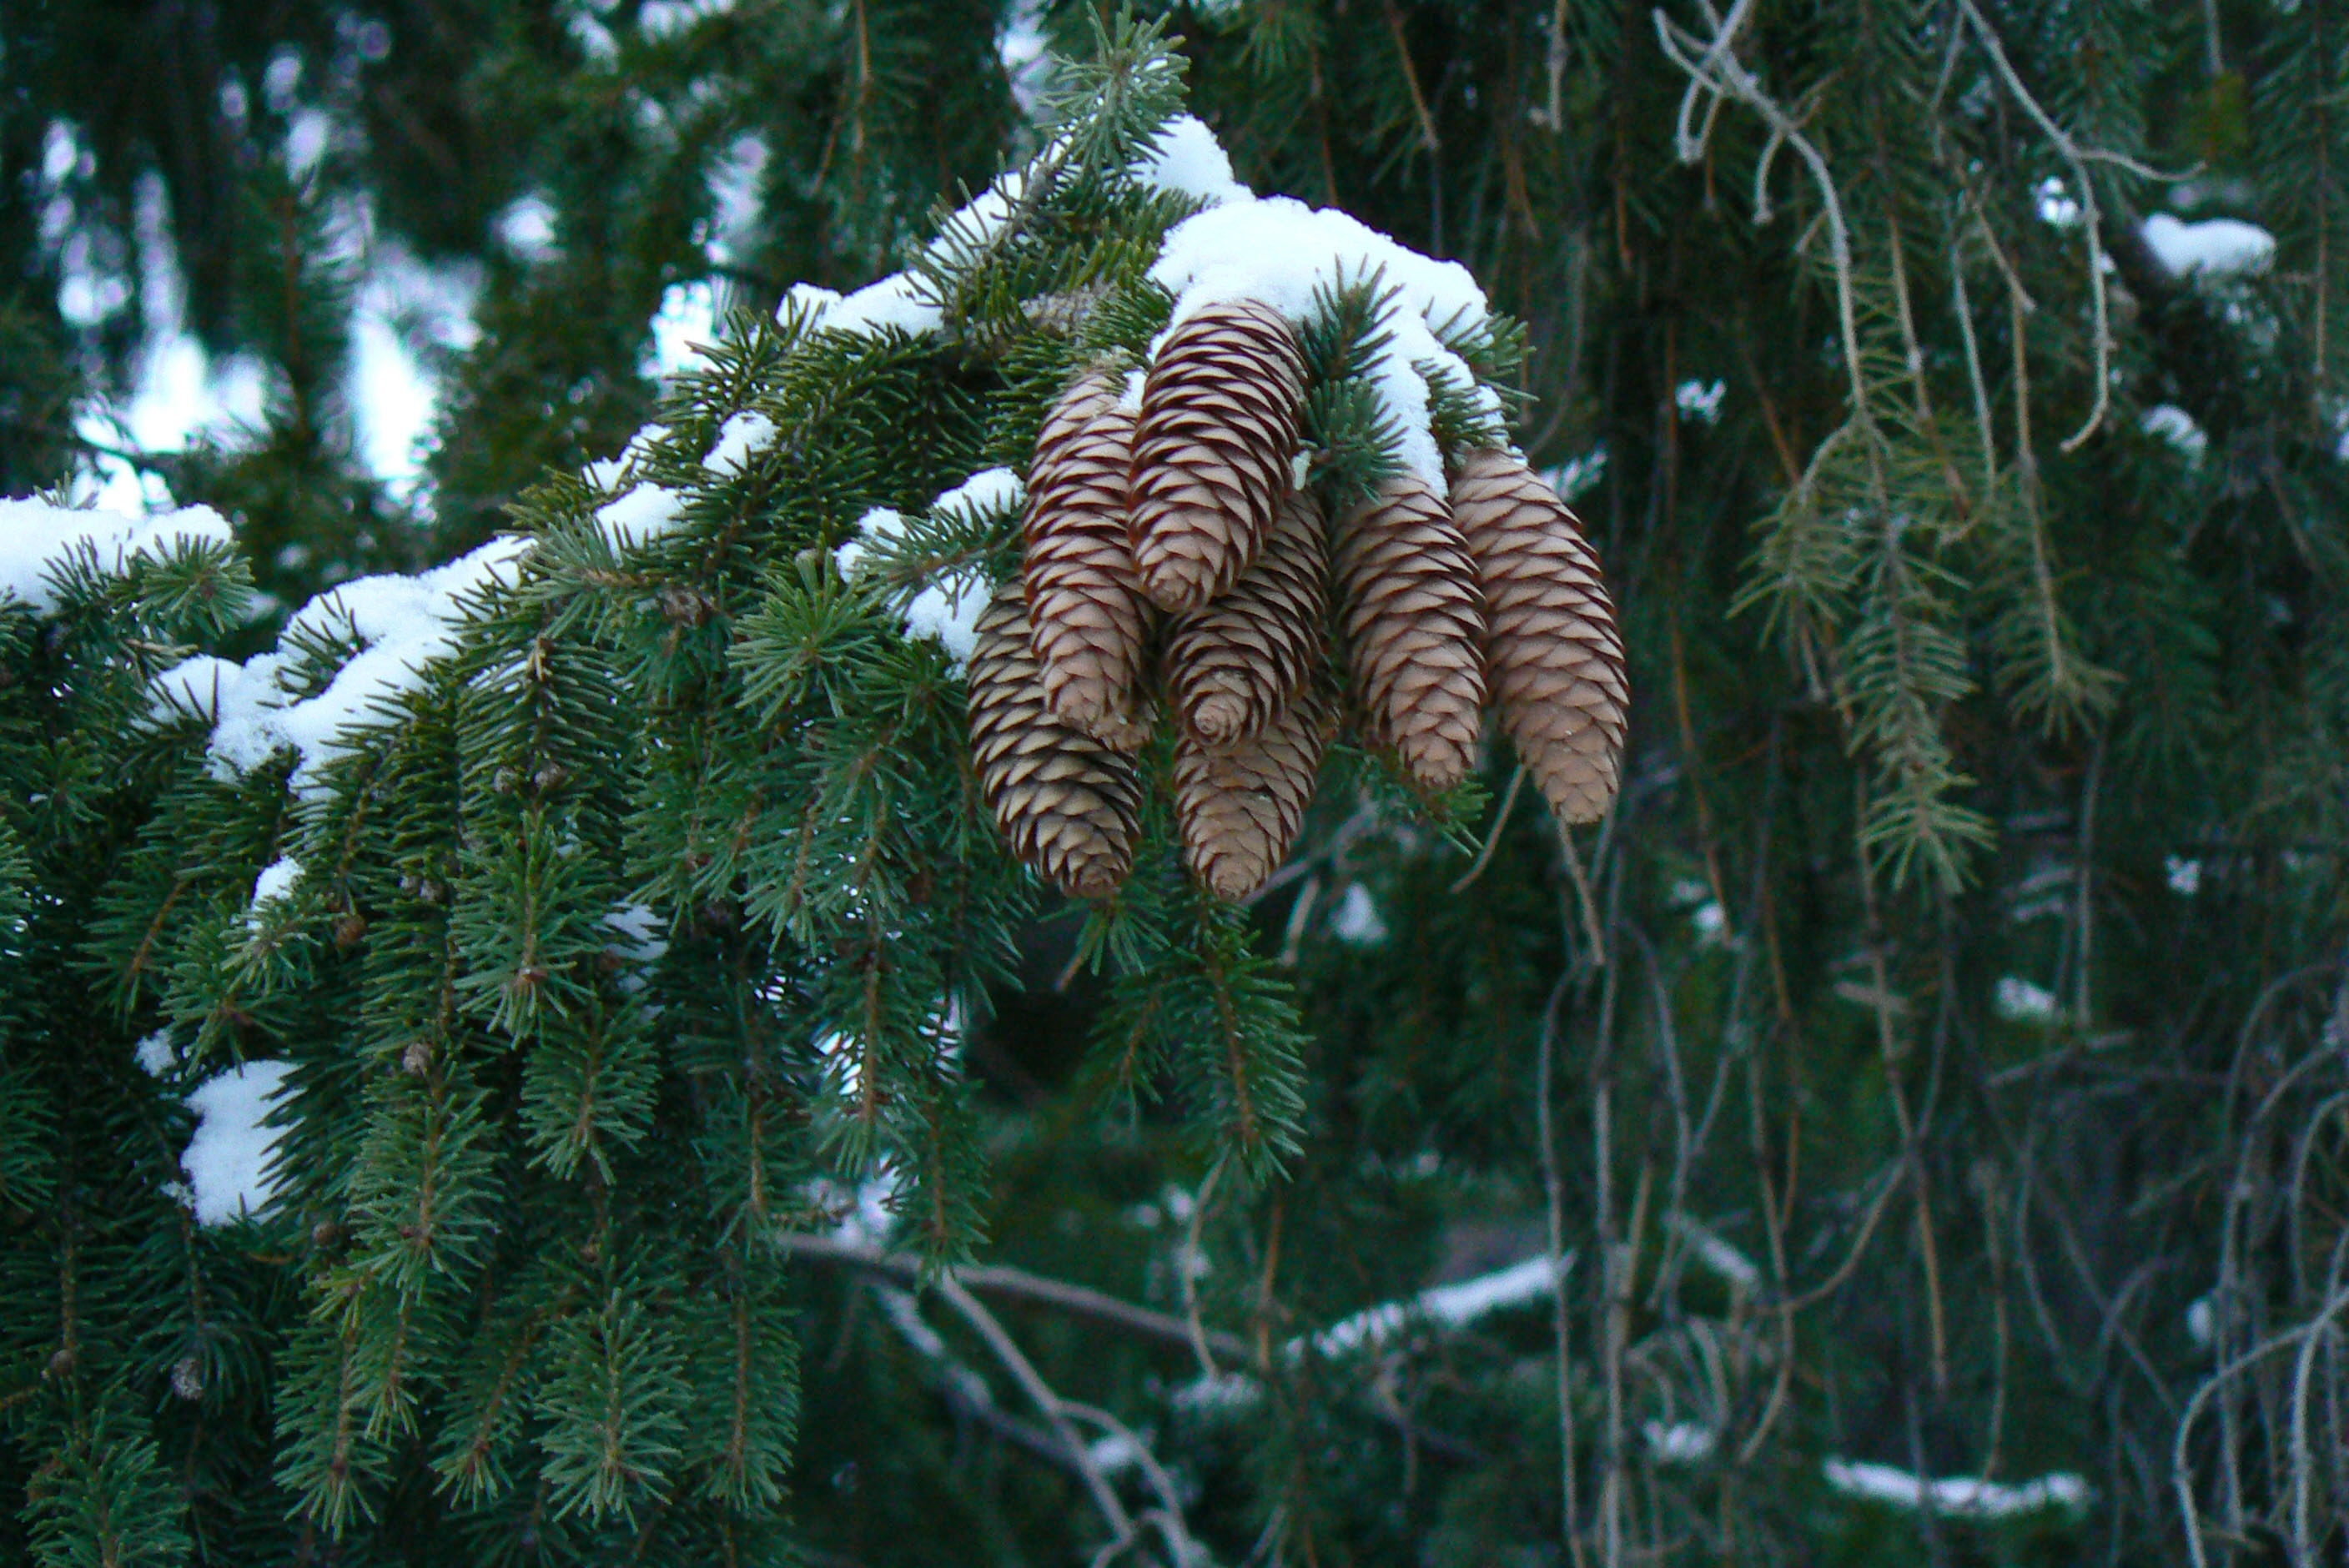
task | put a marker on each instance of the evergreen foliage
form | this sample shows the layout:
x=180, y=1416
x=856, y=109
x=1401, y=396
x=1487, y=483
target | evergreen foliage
x=1934, y=1063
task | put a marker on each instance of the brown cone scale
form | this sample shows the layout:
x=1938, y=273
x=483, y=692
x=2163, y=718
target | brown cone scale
x=1088, y=621
x=1233, y=664
x=1414, y=624
x=1068, y=805
x=1554, y=657
x=1220, y=416
x=1240, y=806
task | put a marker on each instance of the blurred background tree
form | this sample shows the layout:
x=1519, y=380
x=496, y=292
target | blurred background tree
x=1935, y=1068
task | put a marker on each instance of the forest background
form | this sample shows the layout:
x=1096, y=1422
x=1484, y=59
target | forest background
x=1909, y=1128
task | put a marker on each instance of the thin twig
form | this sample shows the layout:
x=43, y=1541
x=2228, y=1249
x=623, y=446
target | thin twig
x=1492, y=839
x=1017, y=1284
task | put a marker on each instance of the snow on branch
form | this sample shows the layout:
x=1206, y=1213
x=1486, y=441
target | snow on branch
x=1955, y=1497
x=228, y=1161
x=37, y=539
x=402, y=624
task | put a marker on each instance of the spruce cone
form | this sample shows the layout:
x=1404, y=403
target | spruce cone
x=1233, y=664
x=1240, y=805
x=1068, y=805
x=1414, y=622
x=1220, y=416
x=1555, y=658
x=1087, y=618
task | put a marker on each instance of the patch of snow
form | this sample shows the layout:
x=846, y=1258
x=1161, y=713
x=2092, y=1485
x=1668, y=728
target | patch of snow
x=36, y=538
x=1446, y=1305
x=405, y=625
x=593, y=38
x=227, y=1160
x=1356, y=919
x=809, y=302
x=747, y=432
x=1682, y=1442
x=948, y=612
x=276, y=882
x=2215, y=247
x=156, y=1055
x=1700, y=400
x=642, y=514
x=990, y=490
x=307, y=136
x=894, y=304
x=637, y=933
x=2019, y=1000
x=1186, y=160
x=525, y=226
x=1955, y=1497
x=666, y=18
x=865, y=1218
x=2168, y=422
x=2056, y=207
x=879, y=526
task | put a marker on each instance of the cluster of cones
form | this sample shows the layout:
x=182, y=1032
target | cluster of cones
x=1174, y=564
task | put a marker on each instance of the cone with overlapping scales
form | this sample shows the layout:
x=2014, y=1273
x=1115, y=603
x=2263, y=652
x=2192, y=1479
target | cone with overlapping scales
x=1240, y=806
x=1413, y=622
x=1088, y=621
x=1218, y=427
x=1553, y=656
x=1068, y=805
x=1236, y=661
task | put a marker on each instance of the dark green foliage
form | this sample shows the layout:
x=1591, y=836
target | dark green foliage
x=1934, y=1063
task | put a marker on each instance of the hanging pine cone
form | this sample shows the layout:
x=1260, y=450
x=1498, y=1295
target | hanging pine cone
x=1233, y=664
x=1068, y=805
x=1413, y=620
x=1240, y=805
x=1220, y=416
x=1087, y=618
x=1553, y=654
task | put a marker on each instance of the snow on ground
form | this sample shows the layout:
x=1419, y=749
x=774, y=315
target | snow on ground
x=2215, y=247
x=36, y=538
x=227, y=1160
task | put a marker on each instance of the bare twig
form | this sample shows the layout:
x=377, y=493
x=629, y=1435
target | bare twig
x=1018, y=1285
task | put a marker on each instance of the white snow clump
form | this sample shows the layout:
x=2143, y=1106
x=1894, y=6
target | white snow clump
x=2168, y=422
x=227, y=1160
x=404, y=623
x=2215, y=247
x=639, y=515
x=37, y=539
x=1955, y=1497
